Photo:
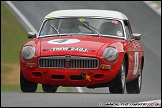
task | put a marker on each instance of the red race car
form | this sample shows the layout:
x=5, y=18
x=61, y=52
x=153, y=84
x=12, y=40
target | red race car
x=83, y=48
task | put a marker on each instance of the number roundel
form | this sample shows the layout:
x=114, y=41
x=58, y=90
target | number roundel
x=63, y=41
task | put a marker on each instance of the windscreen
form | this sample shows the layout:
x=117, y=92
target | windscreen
x=80, y=26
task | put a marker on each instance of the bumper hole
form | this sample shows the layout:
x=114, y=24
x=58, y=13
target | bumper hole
x=76, y=77
x=37, y=74
x=98, y=76
x=58, y=77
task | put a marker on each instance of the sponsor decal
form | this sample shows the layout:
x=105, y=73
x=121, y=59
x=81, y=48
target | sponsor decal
x=48, y=16
x=115, y=21
x=88, y=77
x=135, y=63
x=63, y=41
x=69, y=49
x=82, y=20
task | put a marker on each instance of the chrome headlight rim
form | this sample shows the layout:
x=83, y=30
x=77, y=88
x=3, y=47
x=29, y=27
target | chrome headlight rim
x=28, y=52
x=110, y=54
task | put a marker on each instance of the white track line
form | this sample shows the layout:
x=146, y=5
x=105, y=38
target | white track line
x=21, y=16
x=79, y=89
x=153, y=6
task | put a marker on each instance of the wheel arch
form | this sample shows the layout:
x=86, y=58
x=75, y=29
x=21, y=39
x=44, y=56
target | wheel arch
x=126, y=61
x=142, y=63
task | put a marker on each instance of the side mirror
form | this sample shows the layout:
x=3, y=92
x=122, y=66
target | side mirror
x=136, y=36
x=31, y=35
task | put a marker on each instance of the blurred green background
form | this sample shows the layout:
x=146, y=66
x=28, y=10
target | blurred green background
x=13, y=36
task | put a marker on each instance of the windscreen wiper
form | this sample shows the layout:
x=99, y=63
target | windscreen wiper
x=55, y=29
x=91, y=28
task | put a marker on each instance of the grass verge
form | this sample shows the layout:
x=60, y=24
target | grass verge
x=13, y=36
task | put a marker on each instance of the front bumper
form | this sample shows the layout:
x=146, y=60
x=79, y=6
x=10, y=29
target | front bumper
x=71, y=76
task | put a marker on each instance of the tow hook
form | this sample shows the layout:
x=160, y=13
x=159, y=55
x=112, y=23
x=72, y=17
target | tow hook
x=83, y=75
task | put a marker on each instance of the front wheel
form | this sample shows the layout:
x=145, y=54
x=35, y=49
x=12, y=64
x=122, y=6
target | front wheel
x=118, y=84
x=49, y=88
x=25, y=85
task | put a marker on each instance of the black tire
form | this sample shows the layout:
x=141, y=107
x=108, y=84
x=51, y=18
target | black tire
x=118, y=84
x=49, y=88
x=134, y=87
x=25, y=85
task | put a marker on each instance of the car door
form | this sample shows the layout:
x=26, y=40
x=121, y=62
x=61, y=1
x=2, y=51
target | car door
x=133, y=53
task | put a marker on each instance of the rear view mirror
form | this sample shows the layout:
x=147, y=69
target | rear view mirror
x=31, y=35
x=136, y=36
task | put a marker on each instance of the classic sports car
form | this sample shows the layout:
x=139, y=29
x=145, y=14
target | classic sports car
x=83, y=48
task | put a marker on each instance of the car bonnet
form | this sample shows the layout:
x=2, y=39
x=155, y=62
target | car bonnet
x=73, y=45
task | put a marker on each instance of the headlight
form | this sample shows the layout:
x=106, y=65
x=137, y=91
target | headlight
x=28, y=52
x=110, y=54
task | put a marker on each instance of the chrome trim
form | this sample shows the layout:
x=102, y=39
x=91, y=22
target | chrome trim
x=76, y=62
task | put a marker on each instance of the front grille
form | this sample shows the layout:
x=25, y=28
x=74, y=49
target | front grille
x=72, y=62
x=51, y=62
x=83, y=63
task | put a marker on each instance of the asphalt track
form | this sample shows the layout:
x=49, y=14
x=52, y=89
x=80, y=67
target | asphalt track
x=143, y=20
